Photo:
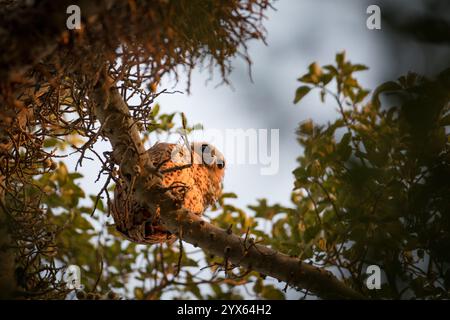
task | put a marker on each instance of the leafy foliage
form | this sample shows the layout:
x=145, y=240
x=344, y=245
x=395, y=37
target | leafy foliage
x=372, y=187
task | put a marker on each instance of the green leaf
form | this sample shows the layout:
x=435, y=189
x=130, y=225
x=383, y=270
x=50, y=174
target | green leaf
x=388, y=86
x=300, y=93
x=306, y=127
x=271, y=293
x=361, y=95
x=340, y=58
x=315, y=69
x=194, y=288
x=326, y=78
x=332, y=69
x=258, y=286
x=155, y=110
x=309, y=78
x=183, y=120
x=138, y=293
x=359, y=67
x=230, y=195
x=50, y=143
x=62, y=174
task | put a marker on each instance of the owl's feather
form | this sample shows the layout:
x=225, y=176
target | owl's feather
x=200, y=184
x=196, y=184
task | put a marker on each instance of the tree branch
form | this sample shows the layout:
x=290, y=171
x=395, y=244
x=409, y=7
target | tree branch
x=114, y=116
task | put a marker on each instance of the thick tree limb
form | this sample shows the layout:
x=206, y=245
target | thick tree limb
x=129, y=153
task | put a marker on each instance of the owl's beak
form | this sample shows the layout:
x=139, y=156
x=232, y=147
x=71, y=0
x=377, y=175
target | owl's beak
x=220, y=163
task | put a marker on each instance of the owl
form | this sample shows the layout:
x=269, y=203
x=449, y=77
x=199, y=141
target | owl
x=193, y=174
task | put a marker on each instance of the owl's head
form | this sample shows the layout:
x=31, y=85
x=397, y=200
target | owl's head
x=209, y=155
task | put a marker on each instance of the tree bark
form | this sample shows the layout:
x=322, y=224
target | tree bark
x=129, y=153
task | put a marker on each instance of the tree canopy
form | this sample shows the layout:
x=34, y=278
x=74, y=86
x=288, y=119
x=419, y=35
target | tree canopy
x=371, y=187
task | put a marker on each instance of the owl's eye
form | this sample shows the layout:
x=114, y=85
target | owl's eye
x=221, y=165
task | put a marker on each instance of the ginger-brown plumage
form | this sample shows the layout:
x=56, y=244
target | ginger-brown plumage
x=197, y=186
